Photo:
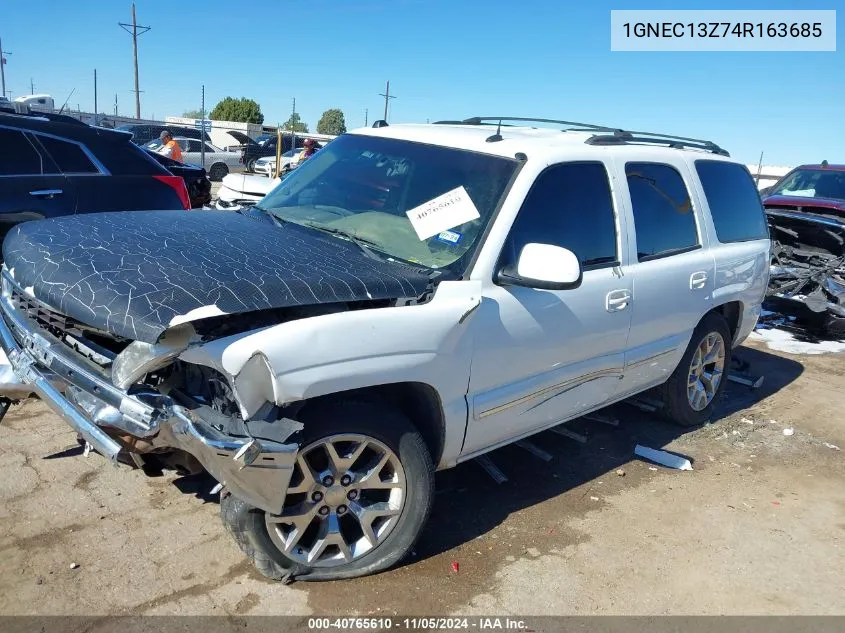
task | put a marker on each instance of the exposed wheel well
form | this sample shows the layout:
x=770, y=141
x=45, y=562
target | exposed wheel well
x=418, y=401
x=732, y=312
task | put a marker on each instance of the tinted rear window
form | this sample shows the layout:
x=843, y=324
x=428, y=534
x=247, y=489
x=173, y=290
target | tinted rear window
x=663, y=213
x=70, y=157
x=733, y=200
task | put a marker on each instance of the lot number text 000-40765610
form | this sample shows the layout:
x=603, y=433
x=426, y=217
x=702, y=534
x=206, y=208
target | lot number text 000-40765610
x=709, y=30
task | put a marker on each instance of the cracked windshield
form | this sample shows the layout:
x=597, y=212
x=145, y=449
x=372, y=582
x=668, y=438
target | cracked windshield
x=415, y=202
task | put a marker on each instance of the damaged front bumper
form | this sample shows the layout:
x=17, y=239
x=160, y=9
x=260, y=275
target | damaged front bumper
x=807, y=274
x=257, y=471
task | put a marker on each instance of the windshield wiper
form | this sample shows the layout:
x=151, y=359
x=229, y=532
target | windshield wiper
x=363, y=244
x=273, y=217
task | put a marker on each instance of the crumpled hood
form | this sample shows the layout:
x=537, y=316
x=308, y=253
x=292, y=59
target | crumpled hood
x=137, y=273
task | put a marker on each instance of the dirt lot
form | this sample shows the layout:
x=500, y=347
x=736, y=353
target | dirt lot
x=758, y=526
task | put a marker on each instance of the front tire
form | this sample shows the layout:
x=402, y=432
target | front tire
x=691, y=393
x=359, y=496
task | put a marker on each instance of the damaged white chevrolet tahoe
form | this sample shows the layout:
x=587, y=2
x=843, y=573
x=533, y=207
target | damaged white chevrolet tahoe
x=410, y=298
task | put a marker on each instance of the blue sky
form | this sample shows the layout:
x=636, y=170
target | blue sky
x=444, y=59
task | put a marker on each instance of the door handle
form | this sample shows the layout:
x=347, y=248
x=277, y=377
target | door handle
x=617, y=300
x=698, y=280
x=45, y=193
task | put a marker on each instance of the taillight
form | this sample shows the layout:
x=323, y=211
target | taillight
x=178, y=184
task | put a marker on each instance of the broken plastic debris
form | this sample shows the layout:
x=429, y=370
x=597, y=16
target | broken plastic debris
x=788, y=432
x=652, y=468
x=663, y=458
x=832, y=446
x=747, y=421
x=74, y=565
x=594, y=498
x=455, y=566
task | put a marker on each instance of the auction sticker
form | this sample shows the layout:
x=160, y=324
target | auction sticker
x=442, y=213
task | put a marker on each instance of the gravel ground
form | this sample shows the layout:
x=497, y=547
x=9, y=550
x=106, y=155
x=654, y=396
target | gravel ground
x=757, y=527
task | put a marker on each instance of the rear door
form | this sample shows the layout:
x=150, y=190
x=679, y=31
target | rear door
x=671, y=263
x=31, y=187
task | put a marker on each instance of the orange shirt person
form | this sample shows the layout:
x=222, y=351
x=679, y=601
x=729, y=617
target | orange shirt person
x=169, y=147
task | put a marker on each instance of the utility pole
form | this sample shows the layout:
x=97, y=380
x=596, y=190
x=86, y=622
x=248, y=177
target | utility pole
x=115, y=104
x=3, y=71
x=202, y=127
x=759, y=169
x=293, y=126
x=96, y=111
x=366, y=116
x=387, y=97
x=135, y=32
x=31, y=87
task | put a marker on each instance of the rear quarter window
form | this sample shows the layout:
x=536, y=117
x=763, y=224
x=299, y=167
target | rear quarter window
x=734, y=201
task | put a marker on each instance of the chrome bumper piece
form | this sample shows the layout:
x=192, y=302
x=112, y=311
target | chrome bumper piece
x=257, y=471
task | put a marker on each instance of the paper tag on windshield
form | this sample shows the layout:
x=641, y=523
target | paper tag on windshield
x=442, y=213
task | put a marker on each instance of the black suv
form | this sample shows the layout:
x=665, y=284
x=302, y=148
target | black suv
x=143, y=133
x=53, y=165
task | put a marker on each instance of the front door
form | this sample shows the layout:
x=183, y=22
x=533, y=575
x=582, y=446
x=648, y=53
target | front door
x=542, y=356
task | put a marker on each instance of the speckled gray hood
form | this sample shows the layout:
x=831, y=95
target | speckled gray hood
x=137, y=273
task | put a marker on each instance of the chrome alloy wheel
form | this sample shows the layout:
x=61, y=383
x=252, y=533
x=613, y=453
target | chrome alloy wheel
x=345, y=497
x=706, y=371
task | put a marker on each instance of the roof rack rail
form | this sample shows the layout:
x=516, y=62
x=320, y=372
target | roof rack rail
x=25, y=110
x=611, y=136
x=623, y=137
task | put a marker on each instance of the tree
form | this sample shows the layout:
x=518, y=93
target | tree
x=192, y=114
x=332, y=122
x=242, y=110
x=295, y=123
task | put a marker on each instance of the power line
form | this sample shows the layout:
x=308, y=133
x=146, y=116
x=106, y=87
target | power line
x=135, y=33
x=387, y=97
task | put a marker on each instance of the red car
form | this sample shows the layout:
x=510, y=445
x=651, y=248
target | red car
x=810, y=189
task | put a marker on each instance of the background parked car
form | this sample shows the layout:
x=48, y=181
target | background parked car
x=195, y=177
x=251, y=150
x=52, y=165
x=267, y=165
x=218, y=162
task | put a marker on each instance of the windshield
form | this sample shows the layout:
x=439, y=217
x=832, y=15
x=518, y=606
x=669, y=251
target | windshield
x=416, y=202
x=812, y=183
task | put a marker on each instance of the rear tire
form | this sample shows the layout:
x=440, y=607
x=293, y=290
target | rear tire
x=263, y=538
x=217, y=172
x=250, y=166
x=696, y=385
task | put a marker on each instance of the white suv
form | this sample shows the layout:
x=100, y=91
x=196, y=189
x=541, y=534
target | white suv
x=412, y=297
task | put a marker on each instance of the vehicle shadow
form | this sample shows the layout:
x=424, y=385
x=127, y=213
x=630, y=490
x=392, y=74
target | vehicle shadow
x=469, y=503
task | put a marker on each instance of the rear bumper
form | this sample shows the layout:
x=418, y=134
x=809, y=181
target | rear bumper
x=257, y=471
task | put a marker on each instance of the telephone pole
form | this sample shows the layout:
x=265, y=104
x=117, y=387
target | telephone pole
x=115, y=104
x=31, y=86
x=135, y=32
x=96, y=111
x=366, y=116
x=3, y=70
x=387, y=97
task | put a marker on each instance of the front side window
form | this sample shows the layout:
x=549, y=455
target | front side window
x=733, y=200
x=70, y=157
x=416, y=202
x=812, y=183
x=569, y=205
x=19, y=157
x=663, y=216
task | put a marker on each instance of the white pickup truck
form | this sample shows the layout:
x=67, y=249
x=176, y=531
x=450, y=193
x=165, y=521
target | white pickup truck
x=411, y=297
